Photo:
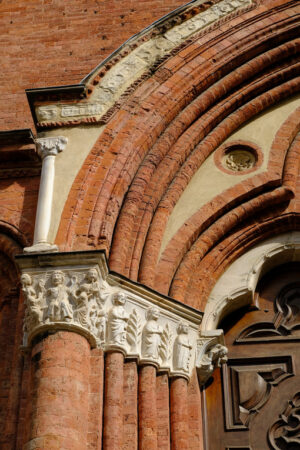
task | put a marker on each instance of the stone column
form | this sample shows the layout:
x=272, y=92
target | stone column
x=59, y=392
x=47, y=148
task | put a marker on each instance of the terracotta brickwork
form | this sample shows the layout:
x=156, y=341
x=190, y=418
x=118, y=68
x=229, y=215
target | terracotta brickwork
x=60, y=393
x=56, y=43
x=134, y=177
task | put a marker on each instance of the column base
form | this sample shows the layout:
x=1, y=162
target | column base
x=43, y=247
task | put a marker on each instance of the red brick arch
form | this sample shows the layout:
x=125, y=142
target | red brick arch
x=235, y=204
x=150, y=149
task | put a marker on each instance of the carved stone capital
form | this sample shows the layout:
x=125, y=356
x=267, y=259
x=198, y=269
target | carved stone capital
x=51, y=146
x=76, y=292
x=211, y=353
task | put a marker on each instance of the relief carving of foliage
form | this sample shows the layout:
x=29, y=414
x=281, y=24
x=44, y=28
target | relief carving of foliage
x=166, y=344
x=134, y=329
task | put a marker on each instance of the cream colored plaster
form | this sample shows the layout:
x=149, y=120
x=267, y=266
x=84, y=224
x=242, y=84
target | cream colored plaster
x=67, y=164
x=209, y=181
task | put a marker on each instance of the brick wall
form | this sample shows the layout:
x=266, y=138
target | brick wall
x=54, y=42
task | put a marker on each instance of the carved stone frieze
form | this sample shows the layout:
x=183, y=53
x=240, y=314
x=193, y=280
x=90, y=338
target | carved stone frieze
x=76, y=292
x=141, y=59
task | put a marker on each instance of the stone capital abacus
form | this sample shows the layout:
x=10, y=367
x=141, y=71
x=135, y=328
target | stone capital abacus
x=76, y=292
x=51, y=146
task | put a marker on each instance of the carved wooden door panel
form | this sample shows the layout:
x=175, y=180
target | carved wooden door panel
x=253, y=402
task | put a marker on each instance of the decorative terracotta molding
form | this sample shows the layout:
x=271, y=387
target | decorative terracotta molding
x=48, y=148
x=105, y=87
x=76, y=292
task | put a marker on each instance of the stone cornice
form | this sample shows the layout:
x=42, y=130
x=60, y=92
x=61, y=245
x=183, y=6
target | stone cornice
x=119, y=74
x=76, y=292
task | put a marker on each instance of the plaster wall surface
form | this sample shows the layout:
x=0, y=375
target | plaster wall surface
x=80, y=142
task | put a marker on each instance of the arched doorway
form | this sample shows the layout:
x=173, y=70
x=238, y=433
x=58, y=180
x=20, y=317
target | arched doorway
x=257, y=393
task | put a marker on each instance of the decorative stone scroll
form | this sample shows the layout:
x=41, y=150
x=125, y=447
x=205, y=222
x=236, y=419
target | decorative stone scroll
x=141, y=58
x=211, y=353
x=74, y=291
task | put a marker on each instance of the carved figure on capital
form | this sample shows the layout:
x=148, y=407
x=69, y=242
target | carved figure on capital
x=182, y=348
x=98, y=319
x=91, y=287
x=151, y=335
x=117, y=321
x=34, y=302
x=59, y=307
x=81, y=310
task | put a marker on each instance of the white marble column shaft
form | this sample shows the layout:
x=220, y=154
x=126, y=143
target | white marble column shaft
x=47, y=148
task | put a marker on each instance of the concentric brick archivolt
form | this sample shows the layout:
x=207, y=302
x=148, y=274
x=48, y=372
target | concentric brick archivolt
x=201, y=233
x=151, y=148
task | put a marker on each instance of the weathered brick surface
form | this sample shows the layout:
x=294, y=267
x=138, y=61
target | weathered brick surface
x=113, y=402
x=147, y=408
x=179, y=414
x=130, y=409
x=282, y=154
x=123, y=196
x=59, y=398
x=168, y=127
x=18, y=199
x=163, y=411
x=96, y=383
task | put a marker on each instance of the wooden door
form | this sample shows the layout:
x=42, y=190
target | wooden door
x=253, y=402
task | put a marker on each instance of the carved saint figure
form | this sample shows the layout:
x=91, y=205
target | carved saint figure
x=117, y=320
x=34, y=310
x=91, y=286
x=182, y=348
x=80, y=313
x=151, y=336
x=98, y=320
x=59, y=307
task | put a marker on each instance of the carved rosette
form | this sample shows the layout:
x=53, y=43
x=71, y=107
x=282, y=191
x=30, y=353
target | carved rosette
x=112, y=314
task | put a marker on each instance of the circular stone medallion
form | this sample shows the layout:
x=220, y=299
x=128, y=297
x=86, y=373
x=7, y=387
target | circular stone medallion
x=239, y=160
x=238, y=157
